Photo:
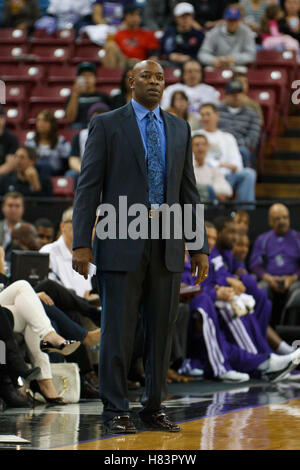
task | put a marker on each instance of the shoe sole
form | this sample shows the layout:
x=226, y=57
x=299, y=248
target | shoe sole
x=66, y=351
x=275, y=377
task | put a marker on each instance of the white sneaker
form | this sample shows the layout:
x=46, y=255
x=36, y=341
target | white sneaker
x=280, y=366
x=234, y=376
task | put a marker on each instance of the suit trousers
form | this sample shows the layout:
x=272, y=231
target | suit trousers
x=153, y=291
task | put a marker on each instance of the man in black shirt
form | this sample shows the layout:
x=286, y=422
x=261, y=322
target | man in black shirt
x=26, y=179
x=84, y=94
x=8, y=146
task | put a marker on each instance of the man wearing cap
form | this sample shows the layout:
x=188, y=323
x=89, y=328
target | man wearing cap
x=8, y=146
x=83, y=95
x=229, y=43
x=240, y=120
x=131, y=43
x=182, y=41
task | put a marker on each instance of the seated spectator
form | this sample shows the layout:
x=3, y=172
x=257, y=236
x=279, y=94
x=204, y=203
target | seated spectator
x=254, y=11
x=272, y=38
x=60, y=253
x=109, y=12
x=290, y=22
x=196, y=91
x=45, y=231
x=209, y=12
x=125, y=94
x=182, y=41
x=79, y=141
x=26, y=179
x=242, y=77
x=131, y=43
x=157, y=14
x=241, y=248
x=20, y=13
x=68, y=12
x=8, y=146
x=13, y=210
x=241, y=220
x=211, y=178
x=180, y=108
x=52, y=149
x=230, y=43
x=240, y=121
x=224, y=154
x=275, y=260
x=84, y=94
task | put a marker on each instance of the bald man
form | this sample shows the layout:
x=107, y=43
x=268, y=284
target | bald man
x=143, y=153
x=275, y=259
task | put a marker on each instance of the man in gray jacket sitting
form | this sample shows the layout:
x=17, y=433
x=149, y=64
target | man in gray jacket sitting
x=230, y=43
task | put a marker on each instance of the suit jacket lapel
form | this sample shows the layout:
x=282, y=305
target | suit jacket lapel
x=132, y=132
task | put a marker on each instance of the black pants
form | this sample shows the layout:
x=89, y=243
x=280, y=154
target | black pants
x=154, y=292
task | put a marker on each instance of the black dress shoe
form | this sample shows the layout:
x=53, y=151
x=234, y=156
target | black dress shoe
x=160, y=422
x=120, y=425
x=66, y=348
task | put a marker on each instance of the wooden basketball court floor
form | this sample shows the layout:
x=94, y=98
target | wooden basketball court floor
x=212, y=415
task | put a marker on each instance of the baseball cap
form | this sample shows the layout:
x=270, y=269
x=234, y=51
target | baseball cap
x=86, y=66
x=184, y=8
x=234, y=86
x=232, y=13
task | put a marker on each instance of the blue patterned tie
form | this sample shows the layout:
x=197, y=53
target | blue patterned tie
x=156, y=174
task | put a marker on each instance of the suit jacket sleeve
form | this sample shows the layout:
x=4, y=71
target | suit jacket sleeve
x=89, y=186
x=189, y=193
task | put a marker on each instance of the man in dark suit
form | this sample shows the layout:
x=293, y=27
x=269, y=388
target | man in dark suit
x=143, y=153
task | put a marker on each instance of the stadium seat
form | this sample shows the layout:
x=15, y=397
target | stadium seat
x=13, y=53
x=62, y=186
x=22, y=73
x=50, y=94
x=23, y=135
x=62, y=37
x=50, y=54
x=12, y=36
x=14, y=116
x=110, y=90
x=271, y=79
x=91, y=53
x=68, y=133
x=109, y=76
x=279, y=60
x=267, y=100
x=172, y=75
x=15, y=93
x=217, y=77
x=60, y=74
x=36, y=108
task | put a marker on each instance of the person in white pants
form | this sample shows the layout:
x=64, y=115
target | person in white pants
x=31, y=320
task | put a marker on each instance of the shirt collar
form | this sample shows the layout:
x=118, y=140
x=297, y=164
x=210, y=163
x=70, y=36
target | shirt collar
x=65, y=252
x=141, y=111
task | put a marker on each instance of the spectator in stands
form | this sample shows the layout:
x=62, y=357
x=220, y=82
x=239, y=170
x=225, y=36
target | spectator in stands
x=79, y=140
x=212, y=178
x=223, y=153
x=84, y=94
x=272, y=38
x=45, y=231
x=254, y=11
x=52, y=149
x=209, y=12
x=8, y=146
x=61, y=259
x=125, y=94
x=290, y=23
x=241, y=220
x=26, y=179
x=242, y=77
x=241, y=248
x=131, y=43
x=230, y=43
x=20, y=13
x=196, y=91
x=157, y=14
x=275, y=260
x=68, y=12
x=13, y=210
x=109, y=12
x=240, y=121
x=182, y=41
x=180, y=108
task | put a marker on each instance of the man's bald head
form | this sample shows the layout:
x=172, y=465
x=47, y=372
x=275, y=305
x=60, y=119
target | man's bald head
x=279, y=218
x=25, y=236
x=147, y=83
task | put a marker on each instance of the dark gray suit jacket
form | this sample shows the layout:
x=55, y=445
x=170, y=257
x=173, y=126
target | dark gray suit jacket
x=114, y=164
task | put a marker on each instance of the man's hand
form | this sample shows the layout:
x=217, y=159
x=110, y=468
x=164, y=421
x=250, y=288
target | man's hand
x=225, y=293
x=81, y=259
x=237, y=285
x=45, y=298
x=200, y=261
x=272, y=281
x=289, y=280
